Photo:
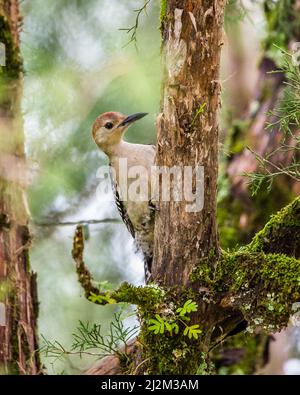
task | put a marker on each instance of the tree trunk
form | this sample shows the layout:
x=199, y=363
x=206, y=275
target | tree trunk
x=188, y=136
x=18, y=303
x=188, y=133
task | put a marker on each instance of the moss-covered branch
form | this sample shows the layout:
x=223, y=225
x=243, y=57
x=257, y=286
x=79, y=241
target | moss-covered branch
x=141, y=296
x=262, y=280
x=258, y=284
x=281, y=234
x=262, y=286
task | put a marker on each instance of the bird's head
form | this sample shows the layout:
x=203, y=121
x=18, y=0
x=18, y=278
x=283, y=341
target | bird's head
x=109, y=128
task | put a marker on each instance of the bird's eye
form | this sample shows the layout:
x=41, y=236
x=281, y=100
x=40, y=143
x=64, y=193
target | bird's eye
x=109, y=125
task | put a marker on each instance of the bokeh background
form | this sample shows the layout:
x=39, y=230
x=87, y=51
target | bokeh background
x=78, y=64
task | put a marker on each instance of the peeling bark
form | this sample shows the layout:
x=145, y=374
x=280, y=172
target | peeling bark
x=192, y=41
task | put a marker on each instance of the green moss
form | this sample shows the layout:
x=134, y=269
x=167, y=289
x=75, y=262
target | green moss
x=13, y=64
x=228, y=219
x=5, y=289
x=236, y=136
x=167, y=353
x=283, y=24
x=206, y=366
x=258, y=212
x=163, y=12
x=203, y=273
x=146, y=297
x=262, y=286
x=281, y=233
x=12, y=69
x=13, y=368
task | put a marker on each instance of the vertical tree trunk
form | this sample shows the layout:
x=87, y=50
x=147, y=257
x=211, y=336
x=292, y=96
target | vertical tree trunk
x=188, y=136
x=18, y=298
x=188, y=133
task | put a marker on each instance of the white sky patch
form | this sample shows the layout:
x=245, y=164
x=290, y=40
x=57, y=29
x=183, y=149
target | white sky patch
x=81, y=45
x=114, y=14
x=83, y=49
x=44, y=136
x=60, y=203
x=292, y=367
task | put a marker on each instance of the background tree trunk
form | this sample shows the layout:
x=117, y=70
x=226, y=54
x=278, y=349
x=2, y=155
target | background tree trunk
x=18, y=303
x=239, y=210
x=240, y=214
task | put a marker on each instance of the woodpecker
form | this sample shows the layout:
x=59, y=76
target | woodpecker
x=108, y=131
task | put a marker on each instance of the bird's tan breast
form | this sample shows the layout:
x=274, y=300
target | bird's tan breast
x=139, y=160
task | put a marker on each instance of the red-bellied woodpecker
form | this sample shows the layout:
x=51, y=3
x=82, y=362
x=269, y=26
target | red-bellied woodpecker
x=138, y=215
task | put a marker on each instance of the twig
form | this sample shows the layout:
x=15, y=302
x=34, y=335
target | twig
x=133, y=29
x=81, y=222
x=263, y=161
x=128, y=293
x=139, y=365
x=84, y=276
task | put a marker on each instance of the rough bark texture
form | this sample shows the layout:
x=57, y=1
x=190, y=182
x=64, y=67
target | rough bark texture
x=187, y=135
x=192, y=41
x=18, y=338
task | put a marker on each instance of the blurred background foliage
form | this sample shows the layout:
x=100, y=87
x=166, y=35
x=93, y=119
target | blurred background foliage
x=77, y=66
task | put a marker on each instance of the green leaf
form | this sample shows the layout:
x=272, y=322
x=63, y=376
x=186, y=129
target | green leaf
x=101, y=298
x=170, y=327
x=198, y=112
x=187, y=308
x=190, y=306
x=175, y=327
x=158, y=325
x=192, y=331
x=159, y=319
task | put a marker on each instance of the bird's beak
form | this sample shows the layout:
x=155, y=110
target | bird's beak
x=132, y=118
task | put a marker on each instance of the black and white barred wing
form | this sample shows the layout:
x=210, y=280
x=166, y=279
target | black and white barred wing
x=121, y=207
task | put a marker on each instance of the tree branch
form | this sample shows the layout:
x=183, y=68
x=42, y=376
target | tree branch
x=281, y=234
x=82, y=222
x=259, y=283
x=142, y=295
x=261, y=280
x=133, y=29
